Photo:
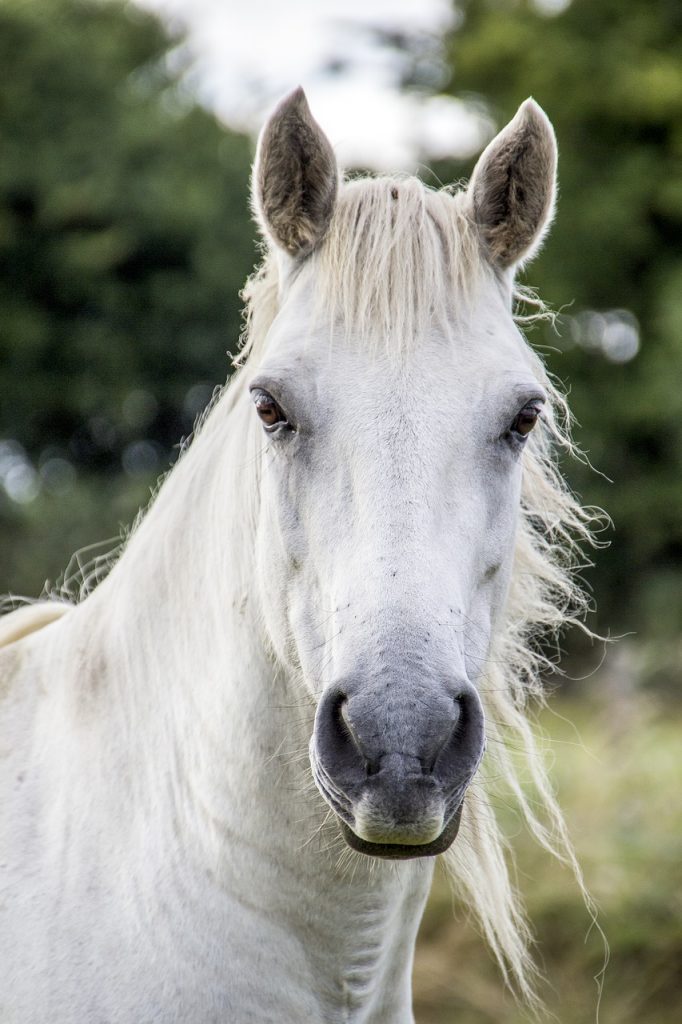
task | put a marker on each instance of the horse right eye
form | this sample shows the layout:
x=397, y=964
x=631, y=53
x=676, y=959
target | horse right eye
x=271, y=415
x=526, y=419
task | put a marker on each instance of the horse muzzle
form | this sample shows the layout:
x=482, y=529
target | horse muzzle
x=394, y=763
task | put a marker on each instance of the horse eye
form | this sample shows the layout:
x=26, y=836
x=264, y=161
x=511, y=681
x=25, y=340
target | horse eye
x=268, y=410
x=526, y=419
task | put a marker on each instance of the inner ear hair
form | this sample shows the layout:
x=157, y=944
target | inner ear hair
x=295, y=178
x=513, y=187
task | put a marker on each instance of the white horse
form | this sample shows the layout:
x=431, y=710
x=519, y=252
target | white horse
x=226, y=773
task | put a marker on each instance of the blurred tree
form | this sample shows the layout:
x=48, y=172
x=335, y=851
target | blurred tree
x=124, y=238
x=610, y=77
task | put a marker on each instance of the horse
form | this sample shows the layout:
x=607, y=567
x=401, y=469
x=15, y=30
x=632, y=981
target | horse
x=228, y=770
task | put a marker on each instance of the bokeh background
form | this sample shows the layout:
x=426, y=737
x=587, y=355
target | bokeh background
x=127, y=135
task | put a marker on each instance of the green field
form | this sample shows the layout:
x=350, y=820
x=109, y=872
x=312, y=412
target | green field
x=617, y=769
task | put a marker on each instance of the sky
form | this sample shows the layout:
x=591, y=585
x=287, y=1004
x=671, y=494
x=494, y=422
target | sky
x=243, y=56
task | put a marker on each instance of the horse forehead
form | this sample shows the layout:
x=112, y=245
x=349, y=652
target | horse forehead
x=368, y=375
x=460, y=346
x=467, y=359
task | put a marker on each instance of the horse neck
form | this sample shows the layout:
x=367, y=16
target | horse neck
x=207, y=710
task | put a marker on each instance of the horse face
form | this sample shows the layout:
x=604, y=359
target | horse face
x=389, y=499
x=390, y=493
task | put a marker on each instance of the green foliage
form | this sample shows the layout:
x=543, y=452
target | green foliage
x=124, y=240
x=124, y=232
x=58, y=538
x=609, y=75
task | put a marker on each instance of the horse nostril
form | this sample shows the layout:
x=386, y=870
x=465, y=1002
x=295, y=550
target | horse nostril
x=372, y=766
x=461, y=713
x=334, y=735
x=462, y=752
x=454, y=728
x=341, y=712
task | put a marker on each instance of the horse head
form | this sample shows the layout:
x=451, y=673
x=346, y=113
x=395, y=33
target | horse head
x=396, y=400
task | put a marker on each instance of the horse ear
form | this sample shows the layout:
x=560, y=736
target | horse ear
x=514, y=185
x=295, y=178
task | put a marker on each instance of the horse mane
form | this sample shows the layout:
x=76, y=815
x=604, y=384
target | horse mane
x=398, y=253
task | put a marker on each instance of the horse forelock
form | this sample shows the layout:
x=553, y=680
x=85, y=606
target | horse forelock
x=397, y=259
x=397, y=256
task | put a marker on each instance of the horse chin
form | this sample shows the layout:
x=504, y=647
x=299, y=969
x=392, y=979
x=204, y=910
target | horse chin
x=402, y=851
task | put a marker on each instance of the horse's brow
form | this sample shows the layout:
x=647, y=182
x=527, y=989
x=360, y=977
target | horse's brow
x=278, y=384
x=266, y=381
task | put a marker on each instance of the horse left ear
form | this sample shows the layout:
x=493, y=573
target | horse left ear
x=295, y=178
x=513, y=187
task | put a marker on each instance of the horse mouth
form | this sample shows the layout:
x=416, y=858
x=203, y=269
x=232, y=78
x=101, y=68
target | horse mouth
x=404, y=851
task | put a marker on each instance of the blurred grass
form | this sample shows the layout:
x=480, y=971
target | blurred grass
x=38, y=539
x=617, y=770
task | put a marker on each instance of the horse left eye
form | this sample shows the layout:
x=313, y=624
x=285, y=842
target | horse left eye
x=526, y=419
x=268, y=410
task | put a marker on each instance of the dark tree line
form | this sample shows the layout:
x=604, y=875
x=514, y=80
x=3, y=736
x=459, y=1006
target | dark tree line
x=124, y=240
x=125, y=234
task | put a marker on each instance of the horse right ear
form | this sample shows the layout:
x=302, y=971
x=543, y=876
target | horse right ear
x=295, y=178
x=513, y=187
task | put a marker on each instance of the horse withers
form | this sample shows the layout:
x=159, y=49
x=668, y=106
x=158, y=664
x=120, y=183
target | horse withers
x=227, y=771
